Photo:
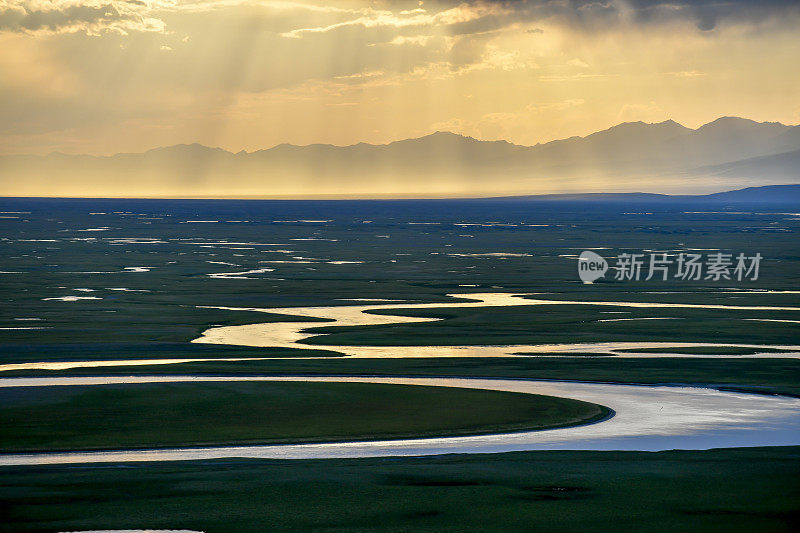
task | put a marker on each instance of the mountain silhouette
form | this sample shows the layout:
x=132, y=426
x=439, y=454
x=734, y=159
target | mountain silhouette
x=661, y=157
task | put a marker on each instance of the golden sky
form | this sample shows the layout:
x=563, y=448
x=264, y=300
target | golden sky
x=108, y=76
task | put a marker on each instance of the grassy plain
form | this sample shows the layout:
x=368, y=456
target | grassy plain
x=562, y=323
x=742, y=490
x=376, y=249
x=190, y=414
x=366, y=250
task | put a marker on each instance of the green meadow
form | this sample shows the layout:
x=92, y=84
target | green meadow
x=741, y=490
x=473, y=247
x=228, y=413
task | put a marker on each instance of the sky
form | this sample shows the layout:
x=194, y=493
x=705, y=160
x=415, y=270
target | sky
x=108, y=76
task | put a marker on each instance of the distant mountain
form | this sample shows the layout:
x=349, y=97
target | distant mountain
x=782, y=194
x=768, y=194
x=770, y=168
x=664, y=157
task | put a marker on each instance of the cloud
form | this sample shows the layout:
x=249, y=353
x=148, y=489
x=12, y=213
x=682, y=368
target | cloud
x=95, y=17
x=416, y=19
x=70, y=16
x=460, y=17
x=455, y=17
x=707, y=14
x=462, y=32
x=594, y=15
x=218, y=67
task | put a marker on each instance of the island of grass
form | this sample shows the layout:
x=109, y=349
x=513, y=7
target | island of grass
x=229, y=413
x=705, y=350
x=559, y=324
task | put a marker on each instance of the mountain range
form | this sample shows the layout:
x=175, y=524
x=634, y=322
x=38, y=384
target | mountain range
x=766, y=194
x=663, y=157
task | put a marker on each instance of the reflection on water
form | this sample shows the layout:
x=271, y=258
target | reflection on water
x=647, y=418
x=291, y=334
x=63, y=365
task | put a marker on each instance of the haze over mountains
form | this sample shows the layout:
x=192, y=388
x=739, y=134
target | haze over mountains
x=665, y=157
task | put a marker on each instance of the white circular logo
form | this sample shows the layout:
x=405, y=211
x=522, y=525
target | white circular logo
x=591, y=266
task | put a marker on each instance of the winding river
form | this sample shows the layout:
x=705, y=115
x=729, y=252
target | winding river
x=648, y=418
x=292, y=334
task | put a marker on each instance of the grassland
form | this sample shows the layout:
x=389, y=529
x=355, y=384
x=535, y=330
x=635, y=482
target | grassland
x=562, y=323
x=186, y=414
x=742, y=490
x=470, y=247
x=704, y=350
x=49, y=254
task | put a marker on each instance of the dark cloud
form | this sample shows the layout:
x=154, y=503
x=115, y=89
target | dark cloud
x=599, y=14
x=706, y=14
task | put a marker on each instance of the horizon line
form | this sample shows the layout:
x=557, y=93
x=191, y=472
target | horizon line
x=289, y=198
